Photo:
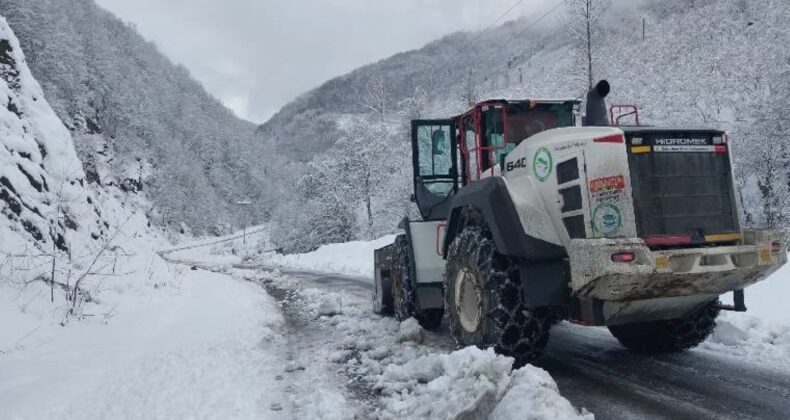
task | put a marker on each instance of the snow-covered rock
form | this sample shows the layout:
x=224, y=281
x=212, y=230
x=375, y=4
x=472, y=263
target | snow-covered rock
x=410, y=330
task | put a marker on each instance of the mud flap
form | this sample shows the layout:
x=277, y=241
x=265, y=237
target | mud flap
x=430, y=295
x=545, y=283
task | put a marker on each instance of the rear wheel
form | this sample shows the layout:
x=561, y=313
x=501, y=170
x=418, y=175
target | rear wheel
x=671, y=335
x=404, y=294
x=483, y=299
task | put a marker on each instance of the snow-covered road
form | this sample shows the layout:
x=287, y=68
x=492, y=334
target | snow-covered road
x=210, y=348
x=592, y=370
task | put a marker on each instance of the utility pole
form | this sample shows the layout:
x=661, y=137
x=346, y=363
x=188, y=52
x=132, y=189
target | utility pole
x=52, y=278
x=588, y=11
x=245, y=204
x=643, y=29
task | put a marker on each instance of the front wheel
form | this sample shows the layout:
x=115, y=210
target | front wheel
x=483, y=299
x=668, y=336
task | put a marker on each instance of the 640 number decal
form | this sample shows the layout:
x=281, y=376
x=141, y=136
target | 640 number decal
x=516, y=164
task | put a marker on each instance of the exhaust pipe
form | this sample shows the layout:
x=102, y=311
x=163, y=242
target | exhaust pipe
x=595, y=114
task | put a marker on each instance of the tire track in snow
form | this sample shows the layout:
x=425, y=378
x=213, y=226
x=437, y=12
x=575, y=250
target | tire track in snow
x=350, y=339
x=305, y=334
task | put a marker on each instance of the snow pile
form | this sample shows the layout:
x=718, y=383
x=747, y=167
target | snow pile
x=762, y=334
x=470, y=383
x=743, y=336
x=533, y=395
x=410, y=330
x=351, y=258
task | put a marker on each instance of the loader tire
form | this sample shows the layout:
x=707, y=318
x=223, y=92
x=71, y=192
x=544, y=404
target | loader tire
x=492, y=312
x=404, y=295
x=668, y=336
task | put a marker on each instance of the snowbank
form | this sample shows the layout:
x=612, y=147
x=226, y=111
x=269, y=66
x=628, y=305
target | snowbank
x=471, y=383
x=762, y=334
x=351, y=258
x=747, y=337
x=533, y=394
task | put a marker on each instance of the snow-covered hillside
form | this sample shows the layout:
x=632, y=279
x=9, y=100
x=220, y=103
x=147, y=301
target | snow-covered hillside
x=45, y=201
x=68, y=248
x=141, y=124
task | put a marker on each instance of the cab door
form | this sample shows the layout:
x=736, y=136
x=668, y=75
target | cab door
x=434, y=159
x=572, y=195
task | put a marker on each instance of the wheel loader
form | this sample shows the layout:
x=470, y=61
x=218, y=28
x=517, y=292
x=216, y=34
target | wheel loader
x=529, y=218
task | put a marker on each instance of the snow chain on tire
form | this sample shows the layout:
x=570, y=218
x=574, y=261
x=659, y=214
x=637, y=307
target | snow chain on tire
x=668, y=336
x=404, y=294
x=505, y=323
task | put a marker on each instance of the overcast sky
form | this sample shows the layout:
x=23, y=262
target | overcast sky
x=257, y=55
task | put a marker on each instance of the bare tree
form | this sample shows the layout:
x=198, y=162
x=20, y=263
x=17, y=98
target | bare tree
x=584, y=16
x=469, y=90
x=377, y=97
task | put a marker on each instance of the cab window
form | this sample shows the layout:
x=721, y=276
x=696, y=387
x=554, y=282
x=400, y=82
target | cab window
x=494, y=136
x=434, y=155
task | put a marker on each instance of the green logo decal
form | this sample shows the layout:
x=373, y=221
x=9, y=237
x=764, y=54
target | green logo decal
x=542, y=163
x=607, y=219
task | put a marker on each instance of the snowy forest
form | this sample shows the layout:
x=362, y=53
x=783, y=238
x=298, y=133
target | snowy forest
x=681, y=62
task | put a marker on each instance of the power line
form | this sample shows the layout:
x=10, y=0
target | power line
x=543, y=16
x=477, y=36
x=497, y=20
x=530, y=26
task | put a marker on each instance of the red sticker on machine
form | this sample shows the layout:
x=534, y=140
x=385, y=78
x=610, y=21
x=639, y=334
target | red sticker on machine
x=611, y=183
